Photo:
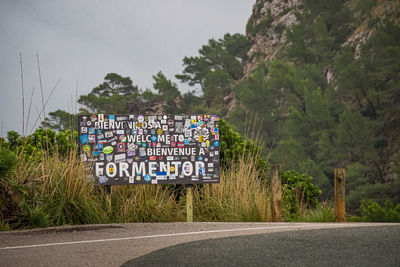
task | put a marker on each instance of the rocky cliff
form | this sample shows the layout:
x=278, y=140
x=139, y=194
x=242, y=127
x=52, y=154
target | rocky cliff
x=266, y=28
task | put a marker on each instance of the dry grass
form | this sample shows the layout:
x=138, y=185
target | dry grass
x=55, y=190
x=240, y=196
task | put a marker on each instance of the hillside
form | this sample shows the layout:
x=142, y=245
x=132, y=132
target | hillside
x=324, y=79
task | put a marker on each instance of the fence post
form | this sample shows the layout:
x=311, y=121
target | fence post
x=276, y=193
x=189, y=203
x=340, y=194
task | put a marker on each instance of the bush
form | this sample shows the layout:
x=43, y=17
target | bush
x=234, y=146
x=298, y=193
x=42, y=140
x=263, y=25
x=377, y=192
x=371, y=211
x=323, y=212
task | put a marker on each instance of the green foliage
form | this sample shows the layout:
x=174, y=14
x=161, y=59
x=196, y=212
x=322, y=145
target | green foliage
x=249, y=27
x=312, y=124
x=323, y=212
x=168, y=93
x=371, y=211
x=61, y=120
x=36, y=217
x=378, y=192
x=298, y=191
x=43, y=140
x=10, y=192
x=116, y=95
x=263, y=25
x=214, y=71
x=233, y=147
x=7, y=162
x=285, y=11
x=279, y=28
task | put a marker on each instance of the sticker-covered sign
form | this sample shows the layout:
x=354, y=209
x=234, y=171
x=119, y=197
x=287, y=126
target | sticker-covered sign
x=154, y=149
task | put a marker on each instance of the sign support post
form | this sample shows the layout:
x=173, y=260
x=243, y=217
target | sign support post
x=108, y=192
x=189, y=203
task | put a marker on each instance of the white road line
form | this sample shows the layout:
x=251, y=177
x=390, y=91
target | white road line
x=177, y=234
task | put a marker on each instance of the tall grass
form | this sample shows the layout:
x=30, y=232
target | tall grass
x=144, y=203
x=240, y=196
x=323, y=212
x=56, y=189
x=52, y=189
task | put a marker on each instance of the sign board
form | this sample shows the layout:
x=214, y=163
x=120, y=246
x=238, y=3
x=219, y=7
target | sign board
x=154, y=149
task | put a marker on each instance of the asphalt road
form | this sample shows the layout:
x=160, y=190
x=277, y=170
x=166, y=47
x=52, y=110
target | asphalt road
x=221, y=244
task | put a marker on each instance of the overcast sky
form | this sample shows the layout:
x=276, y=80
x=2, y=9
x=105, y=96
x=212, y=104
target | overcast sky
x=82, y=41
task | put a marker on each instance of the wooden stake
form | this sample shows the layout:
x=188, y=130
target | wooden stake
x=276, y=193
x=189, y=203
x=340, y=194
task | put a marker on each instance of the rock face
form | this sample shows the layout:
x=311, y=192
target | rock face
x=266, y=29
x=384, y=9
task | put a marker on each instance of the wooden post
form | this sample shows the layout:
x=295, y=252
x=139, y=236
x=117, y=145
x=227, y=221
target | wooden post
x=340, y=194
x=189, y=203
x=276, y=193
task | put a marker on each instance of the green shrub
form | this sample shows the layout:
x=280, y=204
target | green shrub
x=279, y=28
x=377, y=192
x=371, y=211
x=285, y=11
x=323, y=212
x=250, y=27
x=10, y=192
x=263, y=25
x=234, y=146
x=42, y=140
x=7, y=162
x=298, y=193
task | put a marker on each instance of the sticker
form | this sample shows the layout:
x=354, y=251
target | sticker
x=147, y=177
x=120, y=147
x=122, y=138
x=102, y=179
x=86, y=148
x=92, y=138
x=119, y=158
x=84, y=139
x=108, y=150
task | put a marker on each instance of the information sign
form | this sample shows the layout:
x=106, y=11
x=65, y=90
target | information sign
x=151, y=149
